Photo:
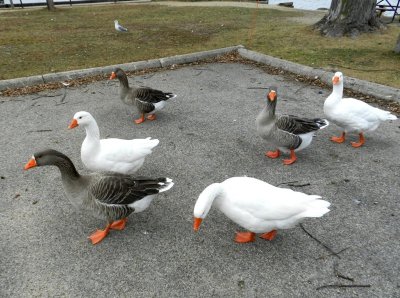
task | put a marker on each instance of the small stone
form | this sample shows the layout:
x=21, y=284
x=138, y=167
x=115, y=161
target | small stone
x=2, y=177
x=34, y=202
x=241, y=284
x=358, y=202
x=375, y=203
x=320, y=92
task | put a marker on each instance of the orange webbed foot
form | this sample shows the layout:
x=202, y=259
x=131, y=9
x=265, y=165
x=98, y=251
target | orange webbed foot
x=360, y=142
x=99, y=235
x=340, y=139
x=245, y=237
x=140, y=120
x=292, y=159
x=273, y=154
x=269, y=236
x=118, y=224
x=151, y=117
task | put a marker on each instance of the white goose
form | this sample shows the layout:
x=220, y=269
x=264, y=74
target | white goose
x=257, y=206
x=115, y=155
x=351, y=114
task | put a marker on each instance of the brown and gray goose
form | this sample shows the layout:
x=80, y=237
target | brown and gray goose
x=146, y=99
x=109, y=196
x=286, y=132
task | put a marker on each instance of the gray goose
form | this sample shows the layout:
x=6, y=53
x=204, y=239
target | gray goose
x=288, y=133
x=146, y=99
x=106, y=195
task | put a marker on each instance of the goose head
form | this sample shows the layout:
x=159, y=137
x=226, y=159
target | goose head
x=81, y=119
x=117, y=73
x=272, y=94
x=204, y=202
x=337, y=78
x=46, y=157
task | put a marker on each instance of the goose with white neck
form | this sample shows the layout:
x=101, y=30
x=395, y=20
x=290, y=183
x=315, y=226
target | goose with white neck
x=147, y=100
x=257, y=206
x=286, y=132
x=115, y=155
x=109, y=196
x=352, y=115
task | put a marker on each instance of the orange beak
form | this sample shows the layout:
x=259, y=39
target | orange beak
x=335, y=80
x=272, y=95
x=196, y=223
x=113, y=76
x=30, y=164
x=73, y=124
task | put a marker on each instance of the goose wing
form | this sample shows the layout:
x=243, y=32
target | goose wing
x=114, y=189
x=153, y=96
x=297, y=125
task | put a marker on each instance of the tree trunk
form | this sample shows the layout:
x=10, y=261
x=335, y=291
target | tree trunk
x=349, y=17
x=11, y=3
x=397, y=48
x=50, y=5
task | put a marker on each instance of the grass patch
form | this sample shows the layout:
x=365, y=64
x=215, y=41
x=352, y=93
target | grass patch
x=36, y=41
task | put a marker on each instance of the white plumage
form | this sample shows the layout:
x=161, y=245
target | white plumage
x=351, y=114
x=119, y=28
x=258, y=206
x=115, y=155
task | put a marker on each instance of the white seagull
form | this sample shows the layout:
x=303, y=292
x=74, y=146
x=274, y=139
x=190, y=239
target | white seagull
x=119, y=28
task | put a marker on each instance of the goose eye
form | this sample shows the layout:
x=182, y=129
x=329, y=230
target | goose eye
x=80, y=117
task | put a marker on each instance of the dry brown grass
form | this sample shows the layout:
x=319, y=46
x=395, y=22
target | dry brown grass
x=35, y=41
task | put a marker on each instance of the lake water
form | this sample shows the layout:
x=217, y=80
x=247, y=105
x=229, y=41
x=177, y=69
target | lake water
x=314, y=4
x=306, y=4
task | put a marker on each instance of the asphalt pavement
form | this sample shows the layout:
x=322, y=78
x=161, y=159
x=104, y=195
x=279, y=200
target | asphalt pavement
x=206, y=134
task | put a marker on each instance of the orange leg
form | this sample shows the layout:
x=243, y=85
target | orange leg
x=140, y=120
x=340, y=139
x=245, y=237
x=269, y=236
x=360, y=142
x=99, y=235
x=292, y=159
x=119, y=224
x=151, y=117
x=273, y=154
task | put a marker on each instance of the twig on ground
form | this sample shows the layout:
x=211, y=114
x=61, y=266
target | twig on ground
x=342, y=286
x=338, y=274
x=264, y=88
x=40, y=130
x=294, y=184
x=320, y=242
x=46, y=95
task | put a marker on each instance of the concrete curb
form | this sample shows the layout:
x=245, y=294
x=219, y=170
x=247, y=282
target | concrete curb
x=75, y=74
x=365, y=87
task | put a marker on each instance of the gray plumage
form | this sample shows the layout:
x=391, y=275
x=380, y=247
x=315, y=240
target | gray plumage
x=286, y=131
x=146, y=99
x=110, y=196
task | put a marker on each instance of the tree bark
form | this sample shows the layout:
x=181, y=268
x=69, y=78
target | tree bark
x=397, y=48
x=50, y=5
x=350, y=17
x=11, y=3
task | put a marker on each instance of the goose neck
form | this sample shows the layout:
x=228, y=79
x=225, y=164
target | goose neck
x=210, y=194
x=92, y=131
x=123, y=80
x=67, y=169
